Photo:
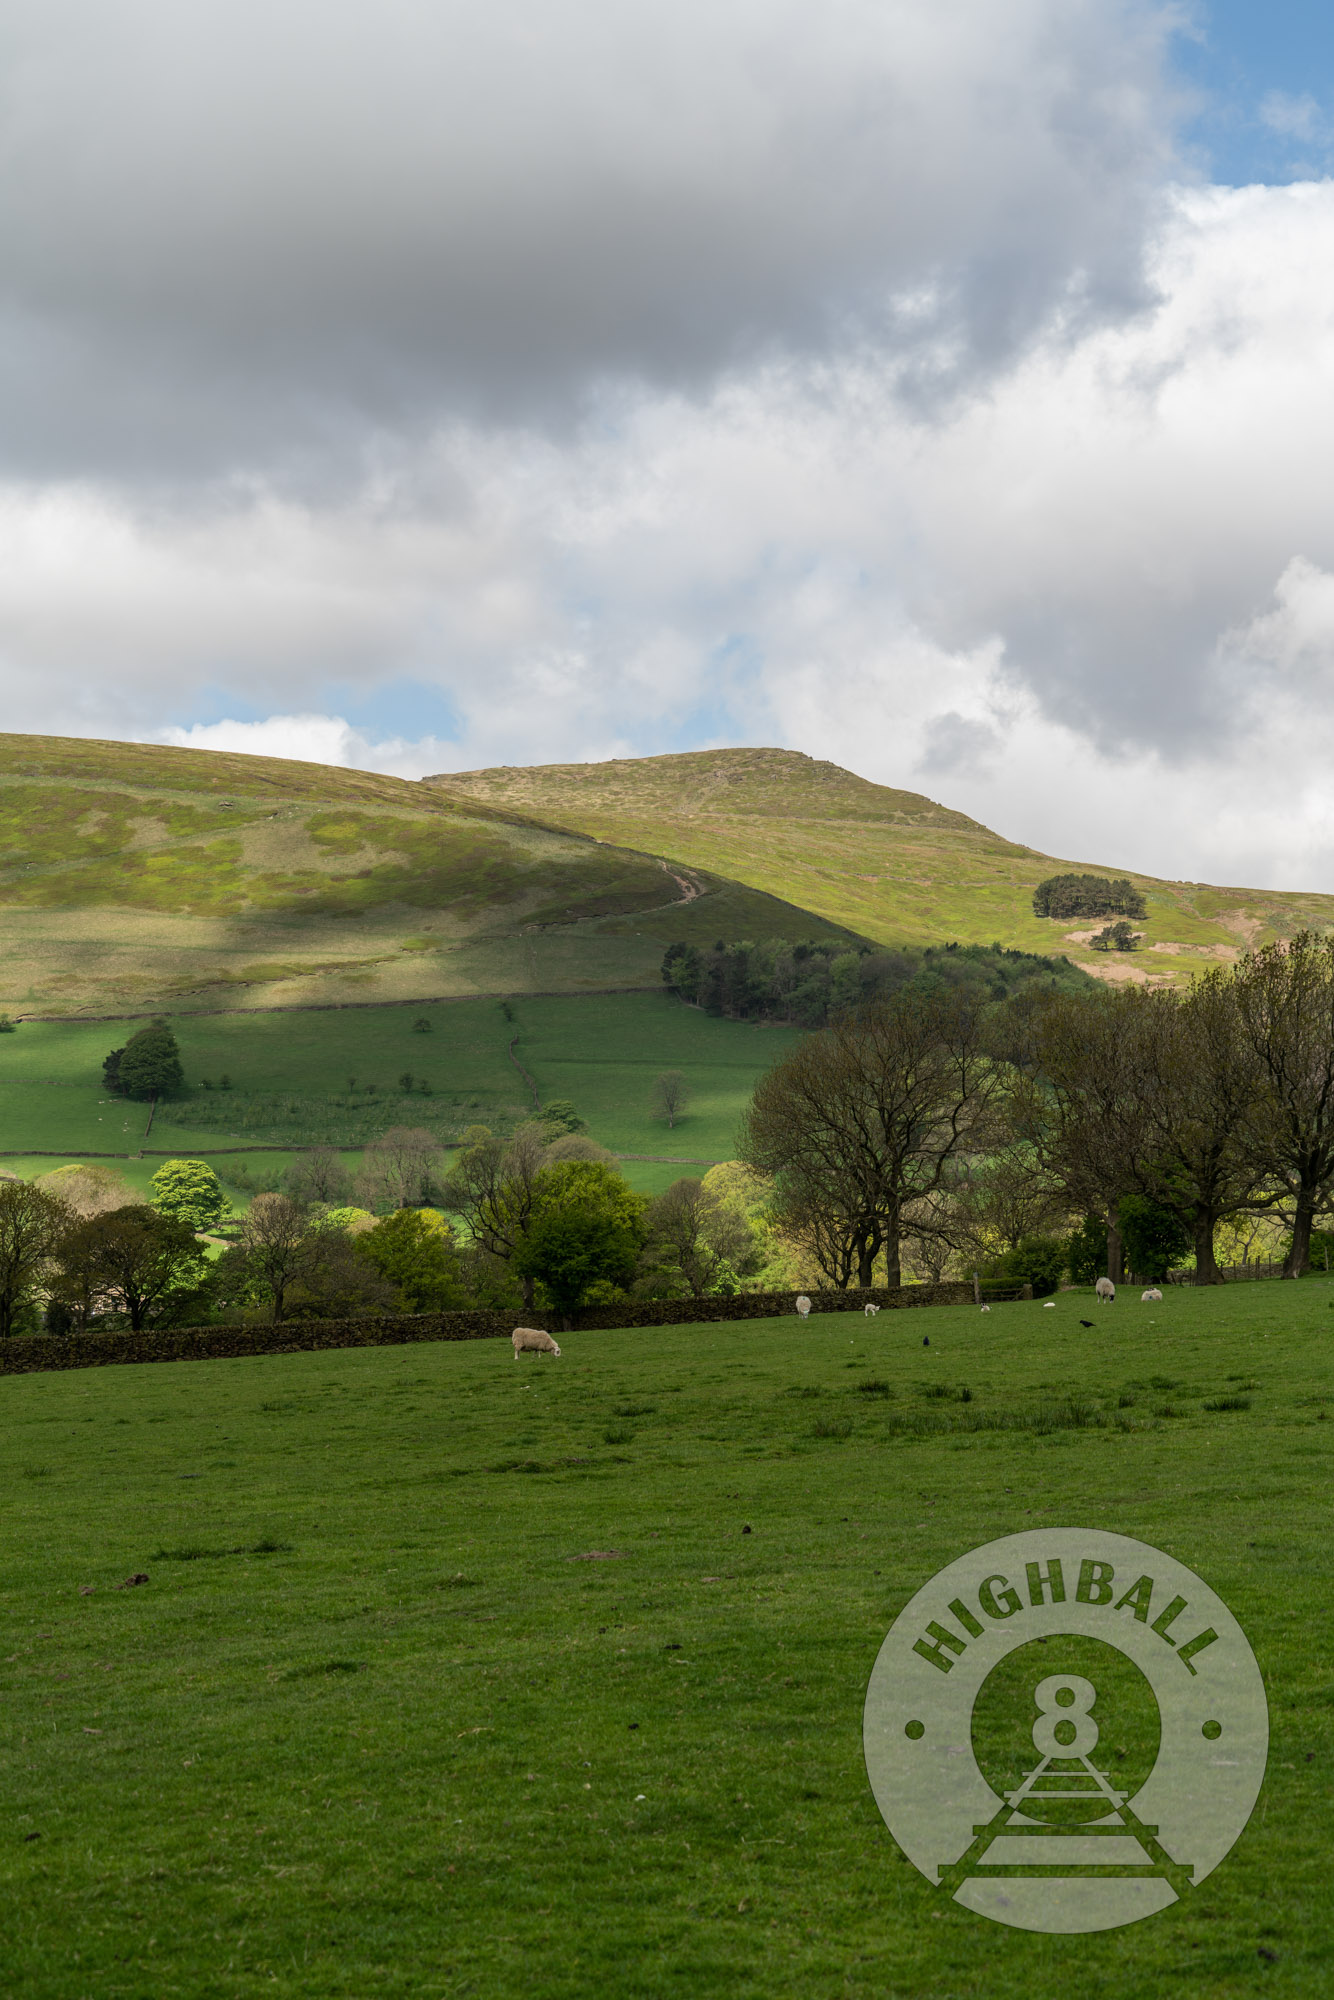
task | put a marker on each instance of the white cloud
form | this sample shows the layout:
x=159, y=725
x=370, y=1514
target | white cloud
x=312, y=739
x=1087, y=596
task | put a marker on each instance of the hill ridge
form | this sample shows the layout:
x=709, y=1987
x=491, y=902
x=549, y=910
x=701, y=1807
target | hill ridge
x=895, y=866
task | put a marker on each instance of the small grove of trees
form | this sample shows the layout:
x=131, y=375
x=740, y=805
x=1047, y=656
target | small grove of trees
x=148, y=1067
x=1066, y=896
x=1116, y=937
x=808, y=984
x=928, y=1127
x=143, y=1266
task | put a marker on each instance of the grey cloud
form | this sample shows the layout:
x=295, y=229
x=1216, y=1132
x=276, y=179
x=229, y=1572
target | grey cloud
x=957, y=746
x=253, y=232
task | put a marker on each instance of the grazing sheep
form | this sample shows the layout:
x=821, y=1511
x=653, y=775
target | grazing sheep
x=1049, y=1305
x=871, y=1311
x=986, y=1309
x=531, y=1339
x=803, y=1305
x=1153, y=1297
x=1106, y=1291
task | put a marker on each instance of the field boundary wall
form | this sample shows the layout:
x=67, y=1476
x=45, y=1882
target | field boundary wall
x=39, y=1353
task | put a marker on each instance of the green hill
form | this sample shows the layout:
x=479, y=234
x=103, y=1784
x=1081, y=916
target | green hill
x=891, y=865
x=134, y=877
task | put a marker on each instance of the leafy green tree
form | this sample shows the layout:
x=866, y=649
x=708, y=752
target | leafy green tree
x=134, y=1261
x=1152, y=1238
x=190, y=1191
x=415, y=1252
x=587, y=1228
x=1086, y=1251
x=561, y=1116
x=149, y=1066
x=1039, y=1261
x=30, y=1223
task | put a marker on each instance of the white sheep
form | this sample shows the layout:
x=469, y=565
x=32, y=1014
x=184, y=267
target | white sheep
x=1049, y=1305
x=1106, y=1291
x=1153, y=1297
x=986, y=1309
x=531, y=1339
x=871, y=1311
x=803, y=1305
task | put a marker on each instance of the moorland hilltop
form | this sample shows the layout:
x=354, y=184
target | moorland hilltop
x=891, y=865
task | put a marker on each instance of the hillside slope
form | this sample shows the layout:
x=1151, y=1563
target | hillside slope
x=891, y=865
x=133, y=877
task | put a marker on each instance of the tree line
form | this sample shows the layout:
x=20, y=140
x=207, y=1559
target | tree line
x=540, y=1221
x=938, y=1124
x=809, y=984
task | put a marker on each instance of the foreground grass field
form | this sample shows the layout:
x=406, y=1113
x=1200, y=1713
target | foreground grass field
x=290, y=1073
x=452, y=1676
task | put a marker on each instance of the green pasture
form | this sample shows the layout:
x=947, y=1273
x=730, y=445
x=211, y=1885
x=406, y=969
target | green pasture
x=291, y=1075
x=453, y=1675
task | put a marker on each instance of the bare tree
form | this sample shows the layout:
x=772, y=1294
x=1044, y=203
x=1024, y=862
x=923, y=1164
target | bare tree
x=318, y=1175
x=1074, y=1099
x=863, y=1125
x=671, y=1094
x=1285, y=997
x=696, y=1234
x=400, y=1170
x=1149, y=1092
x=493, y=1188
x=278, y=1247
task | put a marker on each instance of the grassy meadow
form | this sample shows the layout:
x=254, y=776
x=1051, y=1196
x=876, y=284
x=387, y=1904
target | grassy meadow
x=891, y=865
x=455, y=1676
x=291, y=1073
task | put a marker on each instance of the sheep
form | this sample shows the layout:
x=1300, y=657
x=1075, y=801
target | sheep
x=986, y=1309
x=803, y=1305
x=1049, y=1305
x=531, y=1339
x=1106, y=1291
x=871, y=1311
x=1153, y=1297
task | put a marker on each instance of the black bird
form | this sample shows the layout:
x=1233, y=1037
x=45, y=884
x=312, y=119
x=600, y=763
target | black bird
x=1086, y=1322
x=926, y=1340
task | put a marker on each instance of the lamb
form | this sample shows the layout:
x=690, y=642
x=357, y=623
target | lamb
x=803, y=1305
x=1153, y=1297
x=1049, y=1306
x=531, y=1339
x=1106, y=1291
x=871, y=1311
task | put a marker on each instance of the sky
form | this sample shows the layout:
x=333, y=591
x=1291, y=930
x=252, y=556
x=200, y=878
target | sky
x=938, y=387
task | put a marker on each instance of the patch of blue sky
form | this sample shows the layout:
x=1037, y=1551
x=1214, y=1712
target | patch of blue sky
x=1261, y=77
x=405, y=708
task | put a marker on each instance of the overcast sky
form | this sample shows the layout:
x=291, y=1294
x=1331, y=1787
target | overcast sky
x=937, y=386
